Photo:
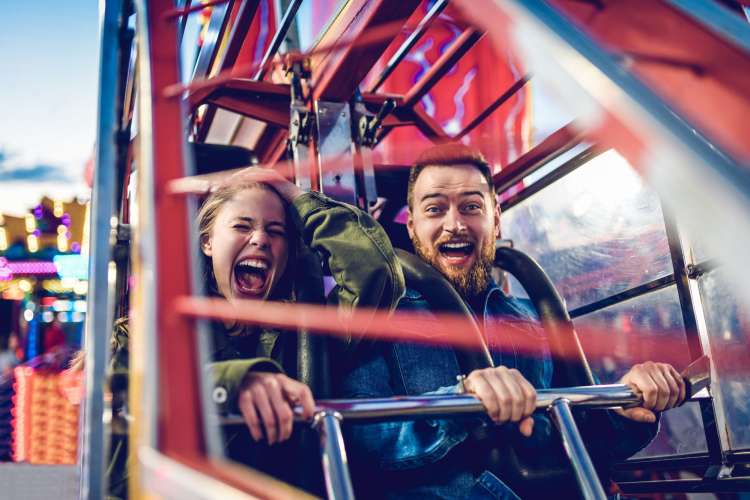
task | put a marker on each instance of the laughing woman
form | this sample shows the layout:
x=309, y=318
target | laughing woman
x=265, y=239
x=258, y=232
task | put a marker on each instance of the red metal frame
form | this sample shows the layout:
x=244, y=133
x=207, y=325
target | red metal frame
x=715, y=98
x=336, y=75
x=179, y=424
x=492, y=107
x=175, y=13
x=448, y=59
x=564, y=138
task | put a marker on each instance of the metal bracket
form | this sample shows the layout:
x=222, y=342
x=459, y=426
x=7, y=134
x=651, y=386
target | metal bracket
x=365, y=127
x=300, y=121
x=368, y=124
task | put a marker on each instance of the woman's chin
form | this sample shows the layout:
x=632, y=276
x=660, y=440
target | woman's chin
x=240, y=294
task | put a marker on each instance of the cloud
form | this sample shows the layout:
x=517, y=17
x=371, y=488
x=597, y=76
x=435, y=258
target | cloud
x=40, y=172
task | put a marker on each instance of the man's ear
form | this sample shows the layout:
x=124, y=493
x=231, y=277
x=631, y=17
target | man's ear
x=497, y=220
x=206, y=247
x=410, y=226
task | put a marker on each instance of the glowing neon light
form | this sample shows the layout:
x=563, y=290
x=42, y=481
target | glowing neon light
x=72, y=266
x=5, y=272
x=31, y=267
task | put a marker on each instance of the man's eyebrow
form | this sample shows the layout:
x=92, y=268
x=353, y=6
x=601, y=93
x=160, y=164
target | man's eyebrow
x=472, y=193
x=440, y=195
x=431, y=195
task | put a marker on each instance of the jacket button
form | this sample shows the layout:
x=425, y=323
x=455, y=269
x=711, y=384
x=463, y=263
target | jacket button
x=219, y=395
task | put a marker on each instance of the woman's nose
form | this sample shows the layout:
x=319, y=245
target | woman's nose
x=259, y=238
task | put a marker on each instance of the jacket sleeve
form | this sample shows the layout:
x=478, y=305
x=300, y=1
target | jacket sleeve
x=356, y=249
x=228, y=376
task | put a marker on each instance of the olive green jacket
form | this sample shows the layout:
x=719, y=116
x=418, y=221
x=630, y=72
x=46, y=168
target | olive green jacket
x=361, y=260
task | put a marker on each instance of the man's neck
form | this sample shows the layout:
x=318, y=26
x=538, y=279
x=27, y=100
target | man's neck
x=476, y=303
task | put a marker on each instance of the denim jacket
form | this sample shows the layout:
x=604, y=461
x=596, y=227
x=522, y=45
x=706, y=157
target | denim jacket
x=433, y=458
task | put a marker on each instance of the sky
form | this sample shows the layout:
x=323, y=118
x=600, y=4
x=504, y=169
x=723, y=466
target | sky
x=48, y=100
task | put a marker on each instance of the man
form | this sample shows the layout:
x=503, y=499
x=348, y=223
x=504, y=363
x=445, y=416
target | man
x=453, y=222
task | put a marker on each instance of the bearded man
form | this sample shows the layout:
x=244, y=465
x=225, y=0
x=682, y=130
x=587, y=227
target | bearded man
x=454, y=220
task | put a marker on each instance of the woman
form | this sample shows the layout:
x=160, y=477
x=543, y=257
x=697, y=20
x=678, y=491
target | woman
x=251, y=228
x=255, y=229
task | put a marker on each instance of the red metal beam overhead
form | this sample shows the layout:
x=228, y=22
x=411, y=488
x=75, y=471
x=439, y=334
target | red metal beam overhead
x=448, y=59
x=264, y=101
x=704, y=76
x=559, y=141
x=242, y=16
x=337, y=74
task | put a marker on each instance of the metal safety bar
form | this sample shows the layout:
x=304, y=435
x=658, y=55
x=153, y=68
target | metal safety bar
x=452, y=405
x=329, y=414
x=556, y=401
x=579, y=457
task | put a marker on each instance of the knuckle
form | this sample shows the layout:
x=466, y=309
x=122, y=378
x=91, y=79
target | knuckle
x=270, y=382
x=285, y=416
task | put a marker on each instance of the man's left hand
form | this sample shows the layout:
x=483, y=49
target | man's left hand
x=660, y=385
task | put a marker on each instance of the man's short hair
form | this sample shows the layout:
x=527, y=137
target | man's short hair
x=446, y=155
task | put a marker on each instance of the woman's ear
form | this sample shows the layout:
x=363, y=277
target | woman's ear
x=206, y=246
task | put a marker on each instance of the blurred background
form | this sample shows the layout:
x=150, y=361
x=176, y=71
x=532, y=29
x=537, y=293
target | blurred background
x=48, y=77
x=48, y=74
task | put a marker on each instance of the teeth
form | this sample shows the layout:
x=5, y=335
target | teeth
x=254, y=263
x=456, y=245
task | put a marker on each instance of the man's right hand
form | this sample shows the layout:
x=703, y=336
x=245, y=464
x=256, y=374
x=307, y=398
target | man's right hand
x=506, y=395
x=269, y=398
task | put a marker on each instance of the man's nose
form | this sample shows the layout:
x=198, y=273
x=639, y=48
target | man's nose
x=454, y=222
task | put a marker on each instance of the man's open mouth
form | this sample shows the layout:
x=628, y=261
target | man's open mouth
x=456, y=249
x=251, y=276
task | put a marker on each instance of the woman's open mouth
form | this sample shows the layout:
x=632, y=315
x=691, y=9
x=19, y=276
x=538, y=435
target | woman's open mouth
x=251, y=276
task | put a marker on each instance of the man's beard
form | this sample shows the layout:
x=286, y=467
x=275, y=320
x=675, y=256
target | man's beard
x=468, y=283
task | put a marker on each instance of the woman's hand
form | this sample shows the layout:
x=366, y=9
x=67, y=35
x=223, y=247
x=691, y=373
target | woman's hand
x=268, y=399
x=287, y=189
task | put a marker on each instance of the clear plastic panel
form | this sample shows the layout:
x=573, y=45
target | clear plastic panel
x=681, y=432
x=597, y=231
x=728, y=323
x=646, y=328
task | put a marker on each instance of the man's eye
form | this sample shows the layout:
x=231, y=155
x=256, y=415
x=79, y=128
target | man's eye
x=241, y=227
x=472, y=207
x=432, y=210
